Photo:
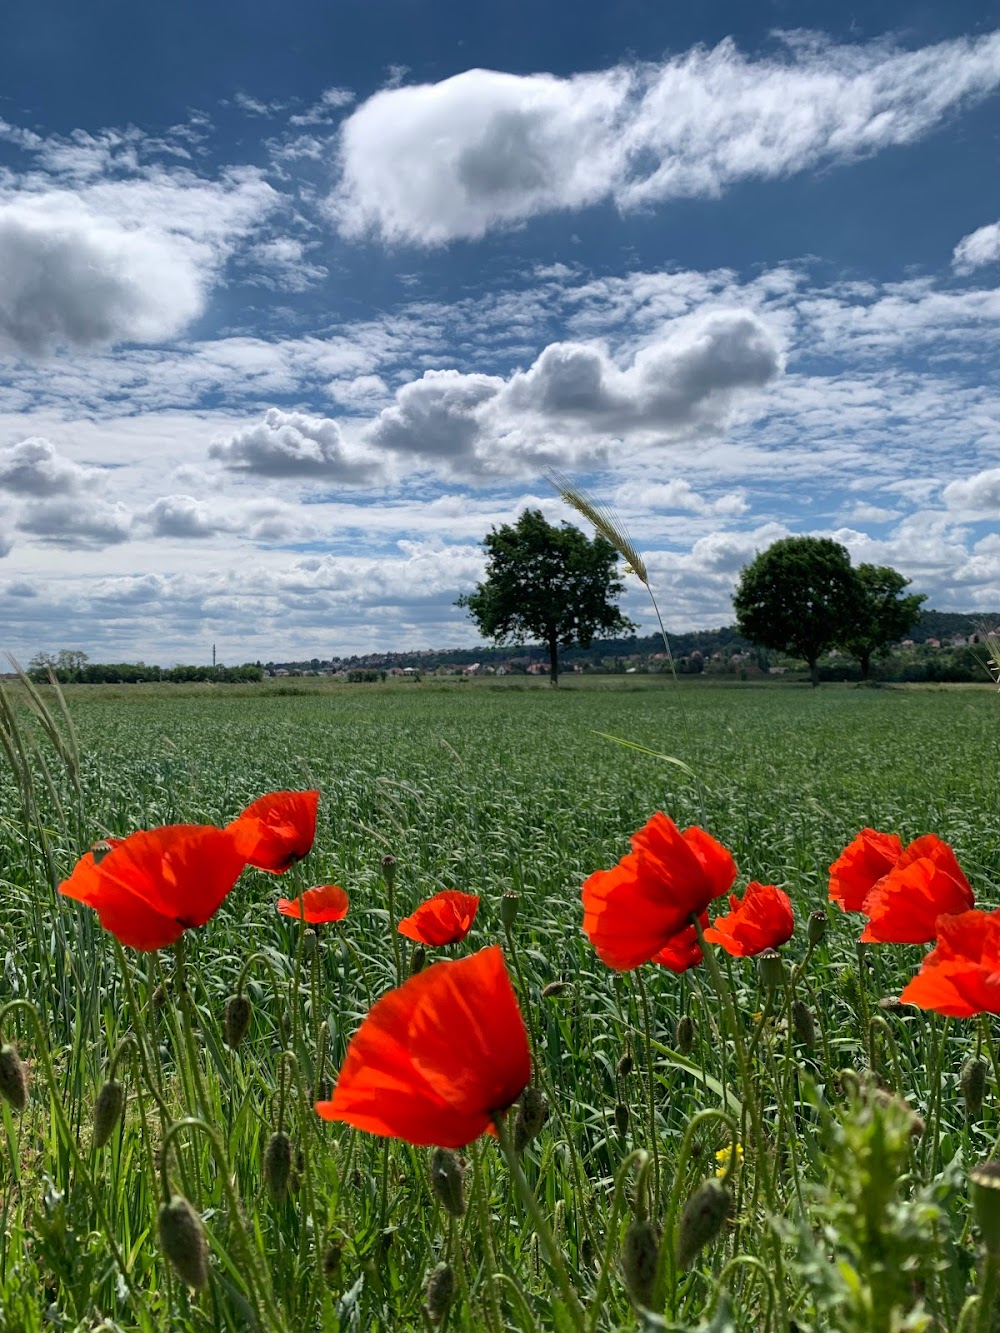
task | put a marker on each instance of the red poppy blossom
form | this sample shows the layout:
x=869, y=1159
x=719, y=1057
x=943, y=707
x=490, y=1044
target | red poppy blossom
x=150, y=887
x=436, y=1059
x=634, y=910
x=763, y=920
x=683, y=951
x=445, y=918
x=925, y=883
x=861, y=865
x=327, y=902
x=960, y=977
x=278, y=829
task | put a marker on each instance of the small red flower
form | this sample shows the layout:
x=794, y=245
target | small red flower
x=683, y=952
x=152, y=886
x=925, y=883
x=436, y=1059
x=327, y=902
x=861, y=865
x=960, y=977
x=278, y=829
x=445, y=918
x=763, y=920
x=634, y=910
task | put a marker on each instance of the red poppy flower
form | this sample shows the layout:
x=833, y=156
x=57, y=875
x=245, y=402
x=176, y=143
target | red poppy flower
x=444, y=919
x=763, y=920
x=925, y=883
x=437, y=1058
x=861, y=865
x=278, y=829
x=152, y=886
x=634, y=910
x=327, y=902
x=961, y=976
x=683, y=952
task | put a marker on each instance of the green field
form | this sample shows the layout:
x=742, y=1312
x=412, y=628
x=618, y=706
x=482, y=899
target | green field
x=489, y=787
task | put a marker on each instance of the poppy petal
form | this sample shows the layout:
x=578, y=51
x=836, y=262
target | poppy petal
x=861, y=865
x=278, y=829
x=323, y=904
x=445, y=918
x=763, y=920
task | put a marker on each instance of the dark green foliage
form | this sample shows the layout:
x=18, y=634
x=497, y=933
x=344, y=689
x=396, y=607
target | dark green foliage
x=882, y=614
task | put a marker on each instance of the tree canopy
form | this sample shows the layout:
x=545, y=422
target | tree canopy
x=882, y=615
x=550, y=584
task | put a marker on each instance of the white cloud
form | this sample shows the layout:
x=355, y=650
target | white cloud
x=325, y=108
x=292, y=444
x=34, y=467
x=979, y=494
x=676, y=494
x=431, y=163
x=978, y=248
x=187, y=518
x=76, y=523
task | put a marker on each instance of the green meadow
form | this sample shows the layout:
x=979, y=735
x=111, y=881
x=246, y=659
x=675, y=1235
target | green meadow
x=493, y=788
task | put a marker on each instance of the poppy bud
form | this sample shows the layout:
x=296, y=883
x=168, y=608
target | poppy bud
x=389, y=871
x=417, y=959
x=702, y=1219
x=236, y=1019
x=332, y=1256
x=447, y=1180
x=816, y=928
x=621, y=1118
x=684, y=1034
x=554, y=988
x=984, y=1182
x=639, y=1256
x=625, y=1065
x=532, y=1113
x=803, y=1024
x=278, y=1165
x=771, y=967
x=182, y=1240
x=972, y=1081
x=13, y=1078
x=158, y=998
x=108, y=1111
x=587, y=1250
x=891, y=1004
x=509, y=904
x=440, y=1292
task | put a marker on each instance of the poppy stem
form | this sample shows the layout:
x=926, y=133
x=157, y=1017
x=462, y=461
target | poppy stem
x=650, y=1089
x=636, y=1157
x=984, y=1028
x=492, y=1304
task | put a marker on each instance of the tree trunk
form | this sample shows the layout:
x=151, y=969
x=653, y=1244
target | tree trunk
x=553, y=660
x=865, y=659
x=813, y=672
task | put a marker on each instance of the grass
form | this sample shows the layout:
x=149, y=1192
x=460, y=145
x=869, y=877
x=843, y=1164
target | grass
x=489, y=787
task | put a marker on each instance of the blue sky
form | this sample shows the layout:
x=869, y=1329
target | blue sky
x=295, y=305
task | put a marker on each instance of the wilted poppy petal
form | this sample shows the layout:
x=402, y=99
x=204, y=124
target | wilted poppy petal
x=763, y=920
x=438, y=1057
x=327, y=902
x=445, y=918
x=861, y=865
x=926, y=882
x=278, y=829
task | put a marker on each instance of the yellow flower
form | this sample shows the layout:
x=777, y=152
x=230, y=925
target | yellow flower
x=723, y=1156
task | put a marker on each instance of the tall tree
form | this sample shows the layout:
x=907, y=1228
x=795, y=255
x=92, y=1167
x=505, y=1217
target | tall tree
x=800, y=596
x=549, y=584
x=882, y=614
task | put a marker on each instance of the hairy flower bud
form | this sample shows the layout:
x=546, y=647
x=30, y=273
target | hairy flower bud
x=972, y=1081
x=278, y=1165
x=701, y=1219
x=532, y=1113
x=333, y=1254
x=447, y=1181
x=625, y=1065
x=555, y=988
x=621, y=1118
x=13, y=1078
x=236, y=1019
x=803, y=1024
x=417, y=959
x=108, y=1111
x=440, y=1292
x=509, y=904
x=182, y=1240
x=639, y=1256
x=684, y=1034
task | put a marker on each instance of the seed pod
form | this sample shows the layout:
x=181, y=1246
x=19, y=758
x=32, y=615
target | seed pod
x=816, y=929
x=984, y=1186
x=639, y=1256
x=684, y=1034
x=972, y=1081
x=440, y=1292
x=332, y=1256
x=417, y=959
x=771, y=967
x=803, y=1024
x=447, y=1181
x=702, y=1219
x=13, y=1078
x=182, y=1240
x=532, y=1113
x=277, y=1165
x=99, y=850
x=108, y=1111
x=621, y=1118
x=309, y=942
x=389, y=871
x=554, y=988
x=236, y=1020
x=509, y=904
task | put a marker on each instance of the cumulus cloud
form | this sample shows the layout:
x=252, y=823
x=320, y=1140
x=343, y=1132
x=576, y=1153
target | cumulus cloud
x=77, y=523
x=34, y=467
x=437, y=415
x=292, y=444
x=980, y=247
x=979, y=494
x=431, y=163
x=186, y=518
x=676, y=494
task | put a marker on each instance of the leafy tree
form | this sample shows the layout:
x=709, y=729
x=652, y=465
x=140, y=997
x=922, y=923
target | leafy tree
x=882, y=615
x=799, y=596
x=549, y=584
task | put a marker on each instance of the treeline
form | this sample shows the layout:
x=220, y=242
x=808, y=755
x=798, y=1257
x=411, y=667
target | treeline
x=139, y=673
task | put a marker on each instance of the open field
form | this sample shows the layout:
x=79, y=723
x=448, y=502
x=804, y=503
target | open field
x=487, y=788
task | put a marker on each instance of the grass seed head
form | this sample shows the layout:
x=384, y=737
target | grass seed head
x=639, y=1258
x=278, y=1165
x=803, y=1024
x=702, y=1219
x=108, y=1111
x=448, y=1180
x=440, y=1292
x=236, y=1019
x=972, y=1081
x=13, y=1078
x=684, y=1034
x=532, y=1113
x=182, y=1240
